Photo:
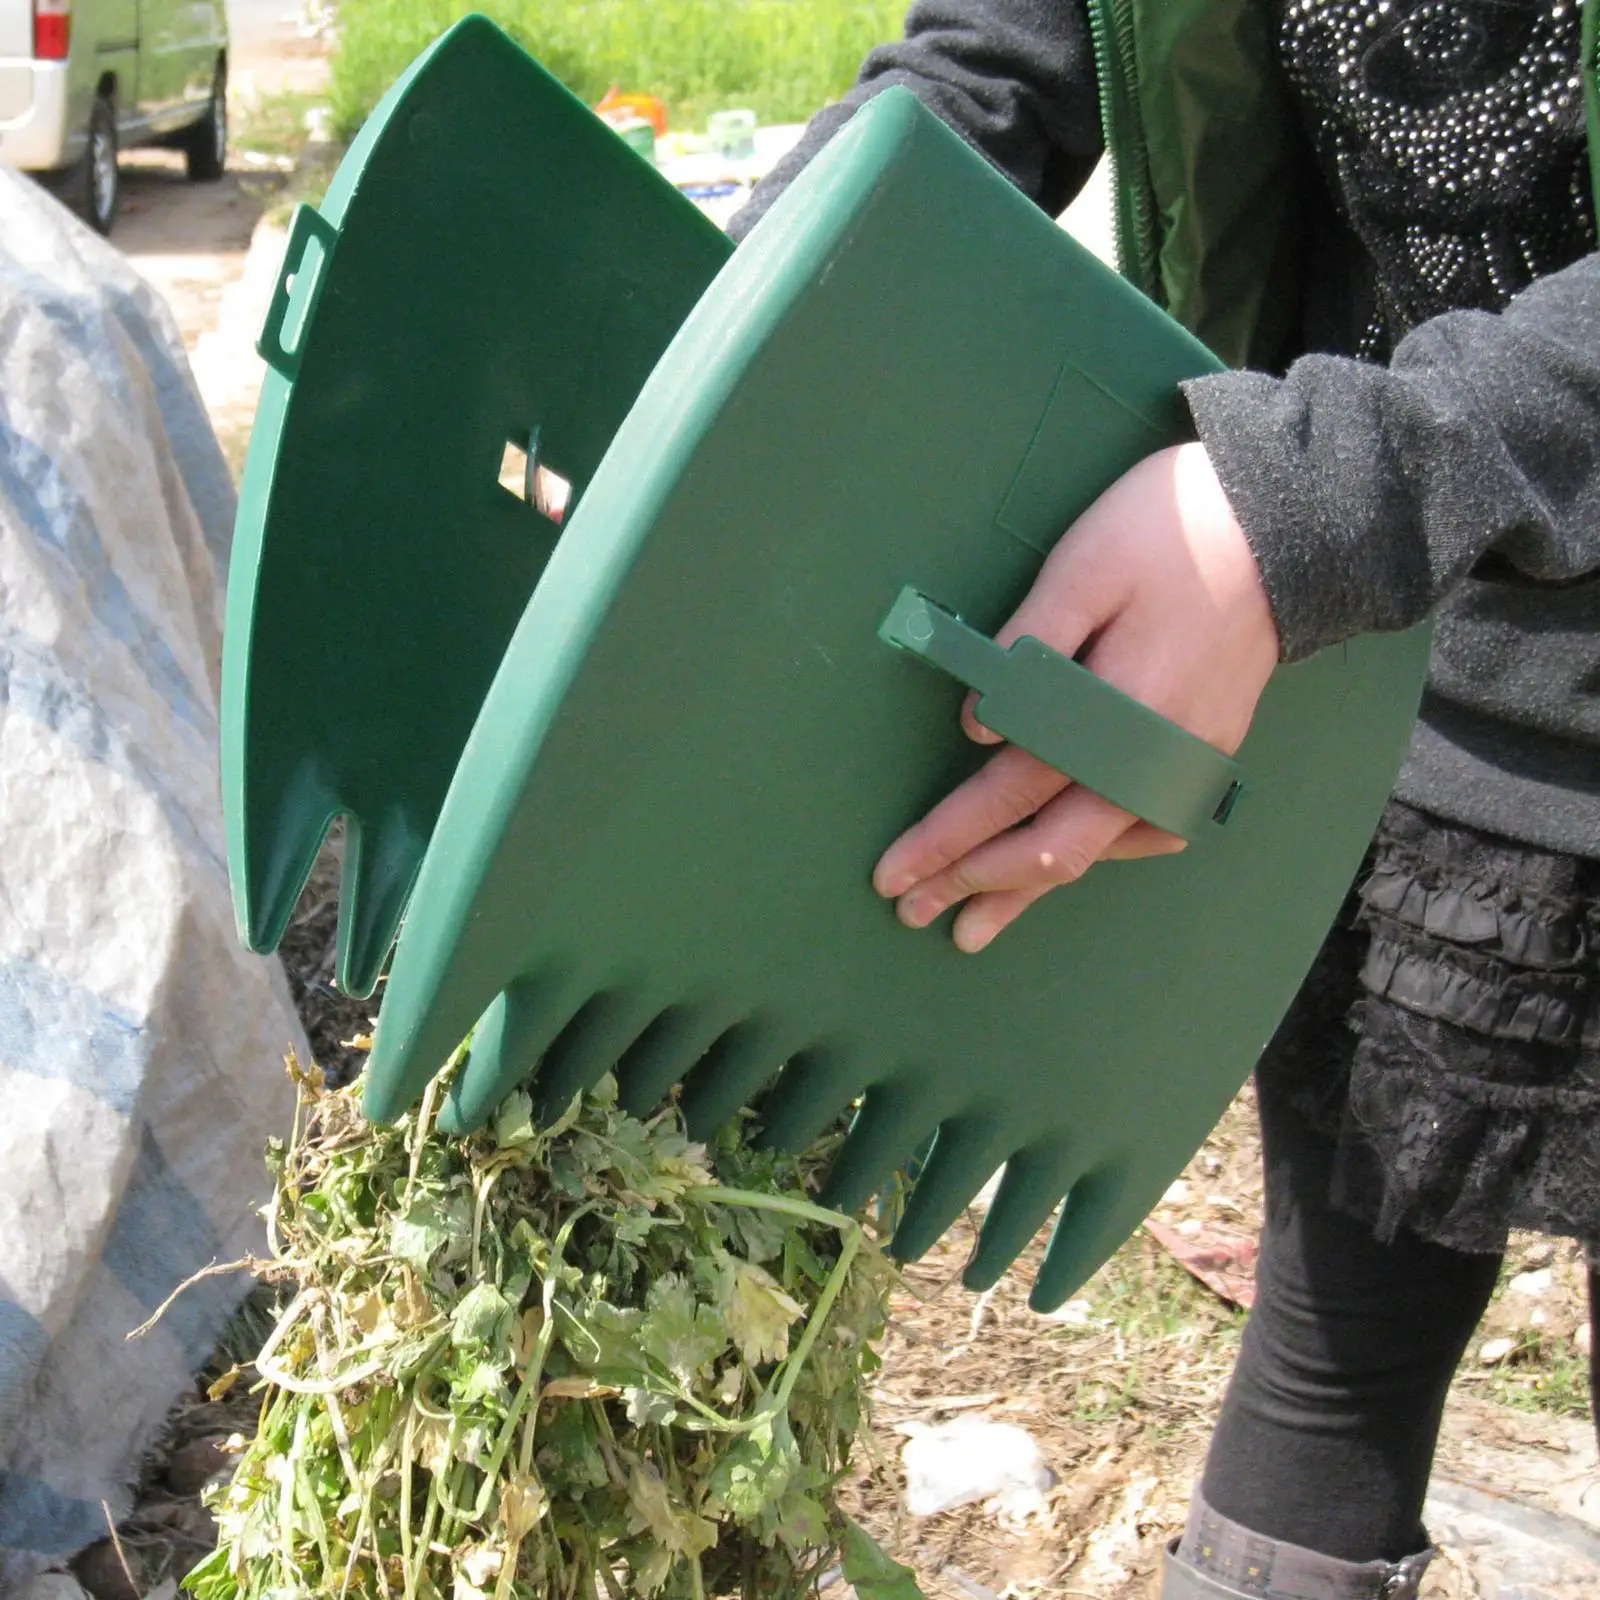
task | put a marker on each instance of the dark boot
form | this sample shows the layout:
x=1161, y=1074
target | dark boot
x=1219, y=1560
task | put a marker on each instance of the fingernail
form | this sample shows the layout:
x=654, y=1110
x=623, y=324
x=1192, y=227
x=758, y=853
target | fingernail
x=972, y=937
x=917, y=911
x=891, y=885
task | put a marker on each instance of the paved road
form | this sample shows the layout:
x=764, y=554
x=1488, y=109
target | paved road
x=257, y=25
x=253, y=23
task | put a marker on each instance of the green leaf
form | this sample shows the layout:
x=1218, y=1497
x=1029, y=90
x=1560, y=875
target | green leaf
x=802, y=1522
x=482, y=1380
x=757, y=1312
x=800, y=1260
x=569, y=1175
x=756, y=1472
x=683, y=1336
x=513, y=1122
x=429, y=1224
x=646, y=1408
x=653, y=1569
x=756, y=1235
x=569, y=1446
x=673, y=1527
x=481, y=1324
x=604, y=1338
x=868, y=1567
x=211, y=1579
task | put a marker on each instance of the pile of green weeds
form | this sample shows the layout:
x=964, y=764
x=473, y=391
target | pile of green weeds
x=580, y=1362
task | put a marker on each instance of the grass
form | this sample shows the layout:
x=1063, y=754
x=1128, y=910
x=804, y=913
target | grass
x=275, y=124
x=1543, y=1373
x=781, y=58
x=1169, y=1337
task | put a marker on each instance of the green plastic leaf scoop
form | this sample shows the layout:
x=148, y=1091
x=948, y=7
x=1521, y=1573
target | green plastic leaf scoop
x=737, y=678
x=456, y=336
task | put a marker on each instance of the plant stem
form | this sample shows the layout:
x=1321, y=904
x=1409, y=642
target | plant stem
x=819, y=1315
x=784, y=1203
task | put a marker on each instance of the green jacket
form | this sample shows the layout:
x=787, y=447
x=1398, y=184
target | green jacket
x=1209, y=162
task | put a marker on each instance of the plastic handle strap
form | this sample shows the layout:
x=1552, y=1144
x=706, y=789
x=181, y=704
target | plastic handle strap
x=1073, y=721
x=305, y=262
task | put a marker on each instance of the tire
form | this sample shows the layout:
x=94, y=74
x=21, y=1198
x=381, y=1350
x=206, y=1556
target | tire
x=98, y=184
x=205, y=145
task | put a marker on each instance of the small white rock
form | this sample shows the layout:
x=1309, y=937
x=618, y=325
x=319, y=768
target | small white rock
x=1177, y=1193
x=1583, y=1338
x=1493, y=1351
x=1538, y=1317
x=1530, y=1282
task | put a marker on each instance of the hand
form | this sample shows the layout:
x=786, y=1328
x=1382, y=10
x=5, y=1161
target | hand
x=1156, y=577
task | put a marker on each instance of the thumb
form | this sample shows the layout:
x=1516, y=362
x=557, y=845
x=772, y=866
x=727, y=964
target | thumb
x=974, y=729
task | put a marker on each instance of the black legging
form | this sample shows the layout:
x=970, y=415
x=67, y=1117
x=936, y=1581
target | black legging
x=1329, y=1425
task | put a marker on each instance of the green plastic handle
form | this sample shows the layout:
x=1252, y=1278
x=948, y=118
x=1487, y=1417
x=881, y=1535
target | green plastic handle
x=1073, y=721
x=305, y=257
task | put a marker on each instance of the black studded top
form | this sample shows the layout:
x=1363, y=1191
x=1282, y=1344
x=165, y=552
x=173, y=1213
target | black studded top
x=1452, y=134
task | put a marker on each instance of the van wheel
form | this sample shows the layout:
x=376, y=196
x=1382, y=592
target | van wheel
x=99, y=184
x=205, y=145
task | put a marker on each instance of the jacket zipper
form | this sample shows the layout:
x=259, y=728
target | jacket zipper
x=1133, y=205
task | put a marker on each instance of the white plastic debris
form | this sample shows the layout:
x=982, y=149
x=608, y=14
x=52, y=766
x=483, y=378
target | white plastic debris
x=1530, y=1282
x=971, y=1458
x=1075, y=1313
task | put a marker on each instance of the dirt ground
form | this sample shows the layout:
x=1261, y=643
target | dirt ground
x=1118, y=1390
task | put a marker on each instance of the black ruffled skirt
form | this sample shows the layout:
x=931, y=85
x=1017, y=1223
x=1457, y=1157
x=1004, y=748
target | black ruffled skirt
x=1448, y=1037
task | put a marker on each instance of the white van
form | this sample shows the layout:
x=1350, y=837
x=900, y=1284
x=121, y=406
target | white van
x=80, y=79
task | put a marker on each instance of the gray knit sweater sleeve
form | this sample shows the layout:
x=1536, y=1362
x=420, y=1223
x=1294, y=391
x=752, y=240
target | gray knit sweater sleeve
x=1368, y=492
x=1015, y=78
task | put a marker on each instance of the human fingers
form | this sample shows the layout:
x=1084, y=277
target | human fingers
x=1062, y=842
x=974, y=729
x=1143, y=840
x=985, y=915
x=1012, y=785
